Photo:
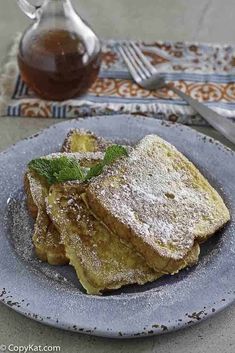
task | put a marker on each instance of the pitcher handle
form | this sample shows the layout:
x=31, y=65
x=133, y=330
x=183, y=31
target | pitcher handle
x=30, y=10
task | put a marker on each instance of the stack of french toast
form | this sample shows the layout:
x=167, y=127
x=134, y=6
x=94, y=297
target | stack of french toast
x=137, y=218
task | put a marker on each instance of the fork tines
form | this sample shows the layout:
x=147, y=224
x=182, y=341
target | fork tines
x=139, y=66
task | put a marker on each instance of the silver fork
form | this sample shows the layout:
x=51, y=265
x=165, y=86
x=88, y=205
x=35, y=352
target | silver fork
x=146, y=76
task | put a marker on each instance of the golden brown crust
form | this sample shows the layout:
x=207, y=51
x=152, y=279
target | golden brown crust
x=46, y=239
x=48, y=247
x=30, y=202
x=84, y=141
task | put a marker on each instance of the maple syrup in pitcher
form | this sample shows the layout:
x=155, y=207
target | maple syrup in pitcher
x=58, y=59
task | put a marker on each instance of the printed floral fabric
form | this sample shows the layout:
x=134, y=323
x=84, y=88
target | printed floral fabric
x=203, y=71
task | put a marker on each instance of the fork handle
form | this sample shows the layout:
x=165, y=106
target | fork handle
x=225, y=126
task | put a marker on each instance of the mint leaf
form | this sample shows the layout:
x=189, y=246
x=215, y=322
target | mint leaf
x=57, y=170
x=94, y=171
x=72, y=172
x=62, y=169
x=113, y=153
x=43, y=167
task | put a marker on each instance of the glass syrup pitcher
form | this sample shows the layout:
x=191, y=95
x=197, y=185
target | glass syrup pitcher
x=59, y=55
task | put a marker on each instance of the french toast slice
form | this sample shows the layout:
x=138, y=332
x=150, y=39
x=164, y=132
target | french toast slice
x=157, y=200
x=46, y=238
x=84, y=141
x=102, y=262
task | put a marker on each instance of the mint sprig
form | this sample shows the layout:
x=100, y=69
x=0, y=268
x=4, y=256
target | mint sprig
x=112, y=153
x=57, y=169
x=64, y=168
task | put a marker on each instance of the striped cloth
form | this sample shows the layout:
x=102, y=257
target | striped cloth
x=204, y=71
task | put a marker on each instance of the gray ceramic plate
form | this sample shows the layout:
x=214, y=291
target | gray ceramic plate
x=53, y=295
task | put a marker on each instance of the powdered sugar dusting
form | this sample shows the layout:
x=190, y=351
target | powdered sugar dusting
x=159, y=195
x=85, y=156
